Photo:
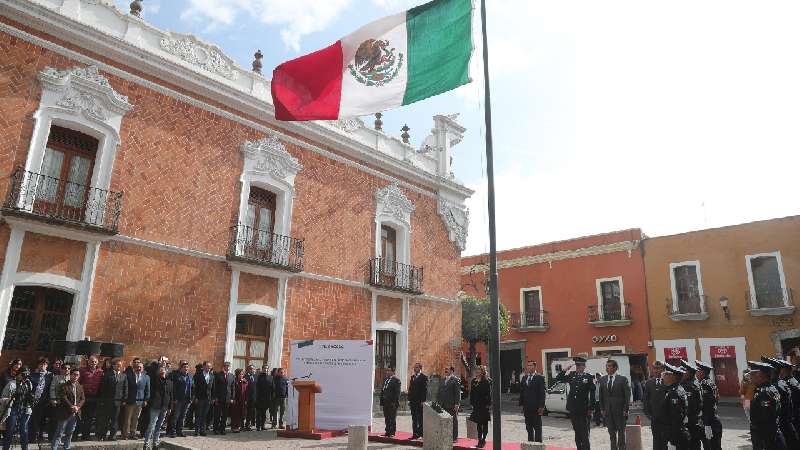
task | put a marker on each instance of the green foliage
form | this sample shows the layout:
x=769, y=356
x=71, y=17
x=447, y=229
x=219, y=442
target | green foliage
x=476, y=320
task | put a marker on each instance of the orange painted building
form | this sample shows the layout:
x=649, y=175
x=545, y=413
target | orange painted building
x=580, y=296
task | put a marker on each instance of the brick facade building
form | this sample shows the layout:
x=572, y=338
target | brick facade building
x=154, y=201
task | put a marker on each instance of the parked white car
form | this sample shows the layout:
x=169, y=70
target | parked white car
x=555, y=400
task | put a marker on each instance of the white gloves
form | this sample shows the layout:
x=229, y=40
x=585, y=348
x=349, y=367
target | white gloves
x=709, y=433
x=671, y=447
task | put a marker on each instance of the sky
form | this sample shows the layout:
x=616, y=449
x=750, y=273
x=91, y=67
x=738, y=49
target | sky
x=665, y=116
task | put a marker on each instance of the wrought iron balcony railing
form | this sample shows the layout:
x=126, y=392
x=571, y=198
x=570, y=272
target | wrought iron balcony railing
x=529, y=319
x=395, y=276
x=261, y=247
x=63, y=202
x=687, y=305
x=610, y=314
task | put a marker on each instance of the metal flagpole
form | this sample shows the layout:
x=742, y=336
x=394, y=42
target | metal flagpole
x=494, y=340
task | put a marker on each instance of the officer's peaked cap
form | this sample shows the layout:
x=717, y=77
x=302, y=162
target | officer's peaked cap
x=691, y=368
x=756, y=366
x=674, y=369
x=579, y=360
x=703, y=365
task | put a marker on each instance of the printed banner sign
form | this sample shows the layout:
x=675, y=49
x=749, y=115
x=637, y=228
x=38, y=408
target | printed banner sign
x=675, y=353
x=343, y=369
x=723, y=351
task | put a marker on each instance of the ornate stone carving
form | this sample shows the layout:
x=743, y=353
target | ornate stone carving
x=456, y=219
x=198, y=54
x=272, y=157
x=84, y=90
x=392, y=201
x=348, y=125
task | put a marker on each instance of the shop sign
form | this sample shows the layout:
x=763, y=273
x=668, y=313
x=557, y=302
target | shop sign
x=675, y=353
x=723, y=351
x=604, y=339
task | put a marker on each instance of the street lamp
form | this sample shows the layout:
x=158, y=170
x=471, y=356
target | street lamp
x=723, y=302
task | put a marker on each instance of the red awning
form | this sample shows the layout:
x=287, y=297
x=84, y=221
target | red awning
x=723, y=351
x=675, y=353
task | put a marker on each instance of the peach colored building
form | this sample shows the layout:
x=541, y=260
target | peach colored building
x=725, y=295
x=151, y=199
x=580, y=296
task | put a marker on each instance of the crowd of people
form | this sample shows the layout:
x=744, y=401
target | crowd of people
x=111, y=401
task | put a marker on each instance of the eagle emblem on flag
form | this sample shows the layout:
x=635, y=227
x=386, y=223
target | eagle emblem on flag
x=375, y=63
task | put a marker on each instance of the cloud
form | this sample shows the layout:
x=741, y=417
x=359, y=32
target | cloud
x=296, y=18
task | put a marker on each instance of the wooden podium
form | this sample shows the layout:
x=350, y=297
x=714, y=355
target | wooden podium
x=306, y=404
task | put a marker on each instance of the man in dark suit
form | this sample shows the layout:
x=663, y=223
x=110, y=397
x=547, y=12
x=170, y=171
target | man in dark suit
x=223, y=397
x=450, y=396
x=113, y=393
x=417, y=394
x=390, y=401
x=531, y=398
x=654, y=394
x=615, y=394
x=202, y=397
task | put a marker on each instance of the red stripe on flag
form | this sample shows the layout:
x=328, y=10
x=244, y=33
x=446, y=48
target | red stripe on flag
x=309, y=87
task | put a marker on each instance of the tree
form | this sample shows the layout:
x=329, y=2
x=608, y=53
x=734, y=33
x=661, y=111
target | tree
x=476, y=324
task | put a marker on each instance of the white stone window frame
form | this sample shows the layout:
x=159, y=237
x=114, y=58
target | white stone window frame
x=751, y=283
x=620, y=348
x=269, y=166
x=401, y=331
x=522, y=312
x=598, y=283
x=394, y=209
x=674, y=286
x=79, y=99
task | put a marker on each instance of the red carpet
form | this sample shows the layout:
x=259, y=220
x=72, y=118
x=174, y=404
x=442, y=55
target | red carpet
x=317, y=435
x=401, y=438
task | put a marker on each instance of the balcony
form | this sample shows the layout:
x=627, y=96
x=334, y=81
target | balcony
x=260, y=247
x=55, y=201
x=610, y=317
x=687, y=308
x=395, y=276
x=775, y=302
x=529, y=321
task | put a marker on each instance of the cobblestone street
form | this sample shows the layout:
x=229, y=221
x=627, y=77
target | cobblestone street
x=557, y=432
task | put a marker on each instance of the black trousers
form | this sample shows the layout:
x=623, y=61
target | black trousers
x=261, y=415
x=88, y=416
x=416, y=418
x=715, y=443
x=659, y=436
x=483, y=430
x=201, y=409
x=251, y=416
x=390, y=419
x=767, y=441
x=581, y=425
x=616, y=424
x=41, y=414
x=696, y=435
x=533, y=423
x=789, y=434
x=107, y=417
x=221, y=416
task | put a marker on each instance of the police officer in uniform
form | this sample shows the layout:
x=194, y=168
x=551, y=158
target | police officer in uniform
x=786, y=418
x=794, y=386
x=712, y=427
x=694, y=411
x=653, y=402
x=765, y=410
x=579, y=400
x=675, y=408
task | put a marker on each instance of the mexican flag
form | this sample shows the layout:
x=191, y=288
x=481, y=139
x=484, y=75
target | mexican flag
x=394, y=61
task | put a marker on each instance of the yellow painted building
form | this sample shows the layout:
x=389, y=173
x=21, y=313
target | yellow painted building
x=724, y=295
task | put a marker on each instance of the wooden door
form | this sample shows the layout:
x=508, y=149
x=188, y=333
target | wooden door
x=38, y=316
x=532, y=316
x=612, y=306
x=385, y=354
x=260, y=224
x=62, y=187
x=388, y=255
x=252, y=341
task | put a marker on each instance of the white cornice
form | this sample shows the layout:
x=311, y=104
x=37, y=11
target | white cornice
x=251, y=99
x=623, y=246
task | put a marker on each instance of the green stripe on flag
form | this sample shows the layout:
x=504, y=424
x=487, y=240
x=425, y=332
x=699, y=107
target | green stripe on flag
x=439, y=48
x=302, y=344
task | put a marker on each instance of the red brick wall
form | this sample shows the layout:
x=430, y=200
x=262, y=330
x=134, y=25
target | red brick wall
x=49, y=254
x=432, y=327
x=389, y=309
x=322, y=310
x=257, y=289
x=160, y=303
x=5, y=234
